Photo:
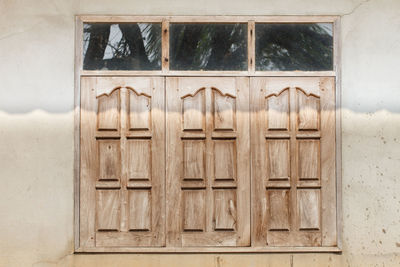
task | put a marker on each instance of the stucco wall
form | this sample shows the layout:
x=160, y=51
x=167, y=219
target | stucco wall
x=36, y=130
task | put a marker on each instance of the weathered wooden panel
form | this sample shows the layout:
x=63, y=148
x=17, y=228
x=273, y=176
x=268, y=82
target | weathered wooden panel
x=278, y=110
x=278, y=210
x=194, y=208
x=225, y=209
x=139, y=111
x=193, y=111
x=278, y=159
x=139, y=159
x=193, y=159
x=109, y=155
x=139, y=210
x=224, y=107
x=108, y=111
x=308, y=111
x=309, y=209
x=108, y=210
x=225, y=159
x=309, y=159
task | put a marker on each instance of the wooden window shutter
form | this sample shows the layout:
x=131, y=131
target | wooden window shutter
x=191, y=163
x=208, y=151
x=293, y=161
x=122, y=162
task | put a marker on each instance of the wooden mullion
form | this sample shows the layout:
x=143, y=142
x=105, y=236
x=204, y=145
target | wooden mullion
x=251, y=46
x=165, y=46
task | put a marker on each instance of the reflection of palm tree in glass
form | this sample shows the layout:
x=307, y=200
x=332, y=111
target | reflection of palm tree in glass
x=122, y=46
x=294, y=47
x=208, y=46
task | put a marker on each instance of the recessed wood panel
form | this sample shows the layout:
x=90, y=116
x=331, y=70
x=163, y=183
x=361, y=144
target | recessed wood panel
x=309, y=209
x=139, y=159
x=139, y=210
x=309, y=159
x=224, y=111
x=278, y=210
x=109, y=159
x=108, y=210
x=108, y=110
x=278, y=159
x=193, y=159
x=139, y=111
x=193, y=210
x=308, y=111
x=225, y=159
x=225, y=209
x=194, y=111
x=278, y=111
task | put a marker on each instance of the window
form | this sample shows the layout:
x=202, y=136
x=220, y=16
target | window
x=203, y=134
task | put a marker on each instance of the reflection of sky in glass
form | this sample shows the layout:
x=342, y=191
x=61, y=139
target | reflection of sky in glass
x=86, y=37
x=327, y=27
x=113, y=40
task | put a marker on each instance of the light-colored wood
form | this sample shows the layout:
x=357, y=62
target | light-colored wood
x=122, y=162
x=213, y=250
x=108, y=209
x=297, y=204
x=216, y=19
x=208, y=145
x=173, y=73
x=328, y=163
x=84, y=241
x=338, y=117
x=77, y=97
x=165, y=46
x=251, y=44
x=140, y=210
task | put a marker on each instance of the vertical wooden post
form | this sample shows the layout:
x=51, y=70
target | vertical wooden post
x=251, y=46
x=165, y=46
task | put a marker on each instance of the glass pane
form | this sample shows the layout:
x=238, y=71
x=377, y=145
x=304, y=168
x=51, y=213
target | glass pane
x=123, y=46
x=288, y=47
x=208, y=47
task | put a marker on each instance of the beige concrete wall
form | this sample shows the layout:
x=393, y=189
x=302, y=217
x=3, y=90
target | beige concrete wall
x=36, y=130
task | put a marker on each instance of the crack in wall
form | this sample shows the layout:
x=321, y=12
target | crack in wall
x=356, y=8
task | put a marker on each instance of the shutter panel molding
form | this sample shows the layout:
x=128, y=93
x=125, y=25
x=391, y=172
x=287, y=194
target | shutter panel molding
x=293, y=161
x=208, y=164
x=208, y=151
x=122, y=162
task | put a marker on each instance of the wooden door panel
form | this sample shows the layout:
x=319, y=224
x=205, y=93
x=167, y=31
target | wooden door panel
x=208, y=178
x=293, y=161
x=122, y=162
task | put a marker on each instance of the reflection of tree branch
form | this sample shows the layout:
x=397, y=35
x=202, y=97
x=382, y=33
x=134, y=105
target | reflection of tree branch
x=133, y=37
x=98, y=40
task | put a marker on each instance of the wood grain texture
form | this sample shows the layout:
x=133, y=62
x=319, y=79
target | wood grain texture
x=85, y=124
x=209, y=19
x=293, y=211
x=207, y=144
x=122, y=169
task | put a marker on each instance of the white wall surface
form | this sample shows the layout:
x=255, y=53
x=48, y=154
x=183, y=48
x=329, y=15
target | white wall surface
x=37, y=145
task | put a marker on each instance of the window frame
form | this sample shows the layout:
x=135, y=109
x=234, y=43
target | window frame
x=165, y=72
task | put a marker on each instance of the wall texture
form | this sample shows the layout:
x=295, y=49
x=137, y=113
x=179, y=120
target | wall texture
x=36, y=130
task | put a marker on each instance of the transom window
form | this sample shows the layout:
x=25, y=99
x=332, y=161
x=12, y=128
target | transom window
x=199, y=46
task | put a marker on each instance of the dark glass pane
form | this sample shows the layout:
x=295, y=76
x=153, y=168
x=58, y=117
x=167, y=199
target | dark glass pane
x=287, y=47
x=208, y=47
x=124, y=46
